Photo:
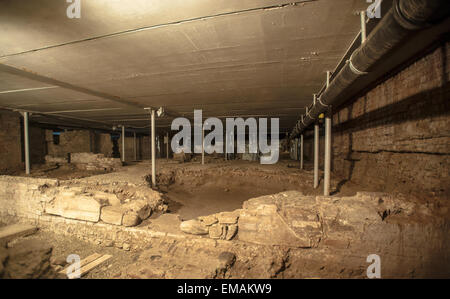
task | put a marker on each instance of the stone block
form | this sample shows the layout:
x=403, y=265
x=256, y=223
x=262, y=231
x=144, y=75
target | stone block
x=228, y=217
x=194, y=227
x=112, y=215
x=130, y=219
x=208, y=220
x=286, y=218
x=109, y=197
x=216, y=231
x=140, y=207
x=79, y=207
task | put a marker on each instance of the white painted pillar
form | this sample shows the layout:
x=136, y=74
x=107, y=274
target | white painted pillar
x=27, y=142
x=135, y=147
x=363, y=27
x=327, y=160
x=295, y=148
x=203, y=145
x=301, y=151
x=167, y=145
x=225, y=146
x=316, y=155
x=123, y=143
x=153, y=141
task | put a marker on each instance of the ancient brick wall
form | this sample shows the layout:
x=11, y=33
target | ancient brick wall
x=10, y=142
x=397, y=135
x=103, y=144
x=38, y=145
x=77, y=141
x=129, y=147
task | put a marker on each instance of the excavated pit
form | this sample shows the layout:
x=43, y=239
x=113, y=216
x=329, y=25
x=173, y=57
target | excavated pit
x=198, y=192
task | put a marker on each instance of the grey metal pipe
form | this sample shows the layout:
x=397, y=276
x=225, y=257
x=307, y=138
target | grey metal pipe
x=153, y=141
x=27, y=142
x=316, y=155
x=400, y=21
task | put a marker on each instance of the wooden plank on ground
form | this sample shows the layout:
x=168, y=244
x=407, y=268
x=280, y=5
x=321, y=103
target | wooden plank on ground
x=10, y=232
x=84, y=262
x=84, y=270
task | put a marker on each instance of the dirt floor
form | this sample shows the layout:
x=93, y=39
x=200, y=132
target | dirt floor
x=63, y=246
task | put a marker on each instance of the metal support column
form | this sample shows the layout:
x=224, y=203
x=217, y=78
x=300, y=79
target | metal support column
x=27, y=142
x=316, y=150
x=225, y=147
x=203, y=145
x=135, y=147
x=301, y=151
x=167, y=145
x=327, y=160
x=316, y=155
x=153, y=141
x=123, y=143
x=363, y=26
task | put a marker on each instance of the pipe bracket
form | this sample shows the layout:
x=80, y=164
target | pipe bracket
x=354, y=69
x=320, y=102
x=309, y=115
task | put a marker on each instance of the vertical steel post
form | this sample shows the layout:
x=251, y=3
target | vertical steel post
x=327, y=161
x=27, y=142
x=135, y=147
x=225, y=146
x=316, y=150
x=123, y=143
x=153, y=141
x=301, y=151
x=203, y=145
x=316, y=155
x=167, y=145
x=363, y=27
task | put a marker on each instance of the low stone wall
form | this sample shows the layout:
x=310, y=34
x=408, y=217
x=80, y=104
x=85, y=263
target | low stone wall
x=87, y=161
x=410, y=238
x=91, y=161
x=77, y=209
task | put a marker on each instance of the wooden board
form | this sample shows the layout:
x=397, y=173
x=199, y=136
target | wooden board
x=84, y=262
x=88, y=264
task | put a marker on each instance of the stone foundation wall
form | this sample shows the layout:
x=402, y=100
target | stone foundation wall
x=333, y=236
x=129, y=147
x=43, y=202
x=10, y=142
x=38, y=145
x=77, y=141
x=103, y=144
x=24, y=200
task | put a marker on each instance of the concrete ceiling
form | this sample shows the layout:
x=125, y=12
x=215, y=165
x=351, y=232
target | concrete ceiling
x=228, y=57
